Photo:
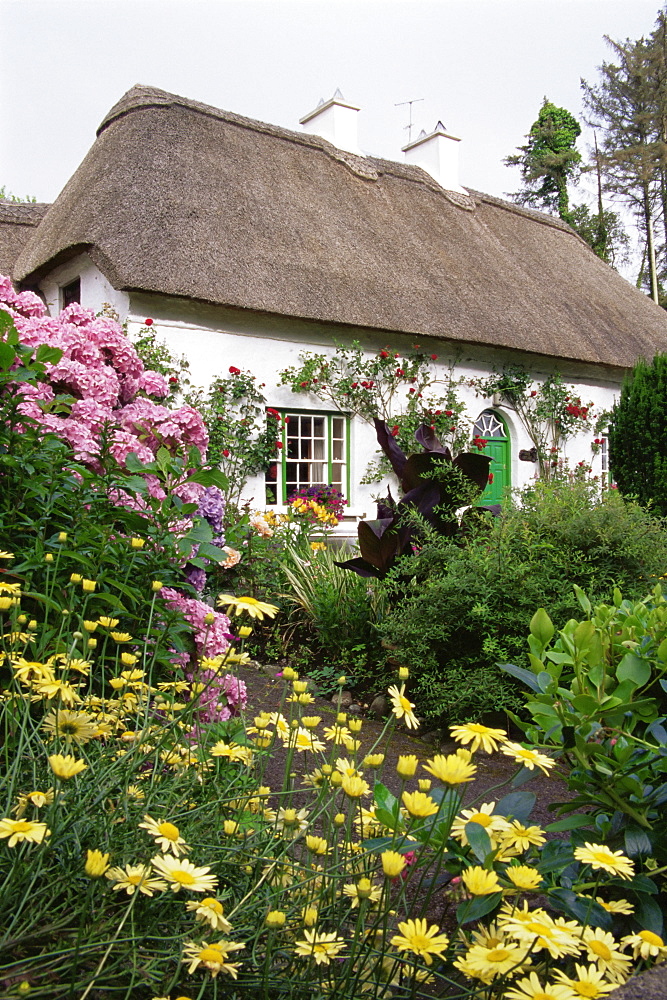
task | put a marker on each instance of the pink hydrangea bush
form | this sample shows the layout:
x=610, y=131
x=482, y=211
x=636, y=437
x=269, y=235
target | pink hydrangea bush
x=112, y=390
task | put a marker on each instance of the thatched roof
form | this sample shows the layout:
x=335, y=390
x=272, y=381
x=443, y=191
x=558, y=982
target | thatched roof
x=179, y=198
x=17, y=222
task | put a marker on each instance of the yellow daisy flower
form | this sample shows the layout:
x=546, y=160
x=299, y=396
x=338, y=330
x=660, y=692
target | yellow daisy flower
x=478, y=736
x=532, y=989
x=232, y=752
x=493, y=823
x=402, y=707
x=480, y=882
x=452, y=769
x=519, y=837
x=6, y=555
x=275, y=918
x=419, y=804
x=255, y=608
x=107, y=622
x=166, y=835
x=209, y=910
x=212, y=956
x=362, y=890
x=133, y=877
x=406, y=765
x=529, y=758
x=487, y=962
x=20, y=830
x=182, y=874
x=646, y=944
x=523, y=877
x=416, y=936
x=601, y=858
x=320, y=946
x=590, y=982
x=97, y=864
x=393, y=863
x=355, y=786
x=536, y=929
x=66, y=766
x=73, y=727
x=603, y=949
x=292, y=822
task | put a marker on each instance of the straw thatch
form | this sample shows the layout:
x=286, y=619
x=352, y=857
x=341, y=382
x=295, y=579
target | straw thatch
x=179, y=198
x=17, y=222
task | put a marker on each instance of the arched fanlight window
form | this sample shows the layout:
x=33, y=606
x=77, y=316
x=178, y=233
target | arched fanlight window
x=488, y=425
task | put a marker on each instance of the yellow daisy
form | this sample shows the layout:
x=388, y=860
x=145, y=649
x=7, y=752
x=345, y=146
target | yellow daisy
x=66, y=766
x=523, y=877
x=419, y=804
x=603, y=949
x=72, y=727
x=493, y=823
x=519, y=837
x=209, y=910
x=532, y=989
x=646, y=944
x=416, y=936
x=255, y=608
x=97, y=864
x=355, y=786
x=486, y=963
x=590, y=982
x=320, y=946
x=212, y=956
x=480, y=882
x=452, y=769
x=529, y=758
x=133, y=877
x=182, y=874
x=23, y=830
x=601, y=858
x=402, y=707
x=166, y=835
x=393, y=863
x=478, y=736
x=362, y=890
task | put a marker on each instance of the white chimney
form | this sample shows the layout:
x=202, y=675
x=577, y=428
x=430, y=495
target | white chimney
x=336, y=121
x=438, y=155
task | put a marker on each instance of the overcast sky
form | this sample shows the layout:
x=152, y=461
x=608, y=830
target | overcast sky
x=482, y=66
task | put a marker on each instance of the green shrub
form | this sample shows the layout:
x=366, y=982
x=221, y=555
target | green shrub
x=464, y=608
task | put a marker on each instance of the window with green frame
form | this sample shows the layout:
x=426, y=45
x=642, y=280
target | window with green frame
x=315, y=450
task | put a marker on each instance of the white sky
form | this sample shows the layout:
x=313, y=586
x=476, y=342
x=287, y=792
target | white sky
x=482, y=66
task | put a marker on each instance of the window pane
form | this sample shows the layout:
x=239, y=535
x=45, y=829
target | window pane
x=305, y=427
x=337, y=449
x=319, y=424
x=338, y=427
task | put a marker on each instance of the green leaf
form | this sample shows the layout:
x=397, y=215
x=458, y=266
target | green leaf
x=134, y=464
x=7, y=355
x=521, y=674
x=586, y=911
x=637, y=841
x=519, y=805
x=541, y=627
x=477, y=907
x=649, y=915
x=583, y=600
x=569, y=823
x=634, y=669
x=479, y=841
x=48, y=355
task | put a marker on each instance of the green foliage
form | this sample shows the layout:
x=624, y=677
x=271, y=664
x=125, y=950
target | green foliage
x=603, y=231
x=598, y=693
x=8, y=196
x=549, y=160
x=638, y=435
x=244, y=435
x=157, y=357
x=550, y=411
x=465, y=608
x=401, y=390
x=325, y=596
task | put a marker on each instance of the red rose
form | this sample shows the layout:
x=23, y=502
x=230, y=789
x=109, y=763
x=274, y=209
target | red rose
x=395, y=430
x=173, y=380
x=225, y=452
x=399, y=372
x=384, y=354
x=304, y=385
x=148, y=322
x=411, y=390
x=279, y=444
x=354, y=385
x=453, y=428
x=434, y=357
x=438, y=412
x=449, y=413
x=534, y=392
x=490, y=477
x=234, y=371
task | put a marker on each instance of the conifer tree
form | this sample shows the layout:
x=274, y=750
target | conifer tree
x=638, y=435
x=548, y=161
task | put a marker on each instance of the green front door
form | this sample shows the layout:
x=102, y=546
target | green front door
x=491, y=426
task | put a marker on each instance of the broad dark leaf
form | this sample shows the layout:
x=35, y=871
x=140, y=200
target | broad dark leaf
x=360, y=567
x=477, y=907
x=426, y=437
x=474, y=467
x=387, y=442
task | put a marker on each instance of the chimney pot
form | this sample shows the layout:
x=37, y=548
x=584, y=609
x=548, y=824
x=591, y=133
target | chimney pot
x=336, y=121
x=438, y=155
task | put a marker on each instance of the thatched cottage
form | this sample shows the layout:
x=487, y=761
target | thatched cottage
x=247, y=243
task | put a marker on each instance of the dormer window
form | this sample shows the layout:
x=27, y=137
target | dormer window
x=70, y=293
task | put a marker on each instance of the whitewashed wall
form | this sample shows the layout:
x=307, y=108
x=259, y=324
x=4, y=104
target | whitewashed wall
x=213, y=338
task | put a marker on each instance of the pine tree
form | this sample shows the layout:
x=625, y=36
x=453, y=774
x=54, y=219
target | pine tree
x=628, y=106
x=638, y=435
x=548, y=161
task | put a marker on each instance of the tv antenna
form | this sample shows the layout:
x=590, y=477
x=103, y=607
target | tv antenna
x=410, y=125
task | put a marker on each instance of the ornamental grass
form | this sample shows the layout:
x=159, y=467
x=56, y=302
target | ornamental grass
x=144, y=855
